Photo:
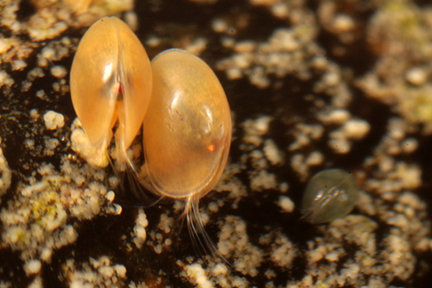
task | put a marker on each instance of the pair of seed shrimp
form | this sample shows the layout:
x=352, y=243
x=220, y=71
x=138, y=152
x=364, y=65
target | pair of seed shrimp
x=176, y=98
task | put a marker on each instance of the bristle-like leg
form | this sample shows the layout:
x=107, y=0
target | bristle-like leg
x=308, y=214
x=130, y=179
x=146, y=197
x=196, y=229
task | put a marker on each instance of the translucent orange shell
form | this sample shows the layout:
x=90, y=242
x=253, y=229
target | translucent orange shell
x=187, y=128
x=110, y=80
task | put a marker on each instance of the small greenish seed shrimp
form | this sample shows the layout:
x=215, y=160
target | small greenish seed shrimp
x=329, y=195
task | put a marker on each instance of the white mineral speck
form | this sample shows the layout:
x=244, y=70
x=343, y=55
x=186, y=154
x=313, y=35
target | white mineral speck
x=343, y=23
x=245, y=46
x=332, y=256
x=34, y=114
x=356, y=129
x=120, y=270
x=37, y=283
x=197, y=273
x=213, y=207
x=110, y=196
x=219, y=269
x=40, y=94
x=5, y=174
x=331, y=78
x=53, y=120
x=240, y=282
x=280, y=10
x=409, y=145
x=48, y=53
x=139, y=233
x=284, y=251
x=315, y=158
x=339, y=144
x=81, y=144
x=46, y=254
x=399, y=220
x=234, y=240
x=18, y=65
x=261, y=124
x=50, y=145
x=316, y=254
x=58, y=71
x=131, y=19
x=153, y=41
x=32, y=267
x=304, y=134
x=263, y=180
x=219, y=25
x=286, y=204
x=165, y=223
x=158, y=248
x=4, y=46
x=338, y=116
x=228, y=42
x=106, y=272
x=273, y=154
x=197, y=46
x=283, y=187
x=234, y=73
x=5, y=79
x=95, y=273
x=241, y=61
x=416, y=76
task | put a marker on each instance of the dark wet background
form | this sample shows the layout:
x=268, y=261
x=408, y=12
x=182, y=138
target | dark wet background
x=103, y=235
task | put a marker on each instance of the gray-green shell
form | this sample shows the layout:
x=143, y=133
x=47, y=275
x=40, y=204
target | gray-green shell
x=329, y=194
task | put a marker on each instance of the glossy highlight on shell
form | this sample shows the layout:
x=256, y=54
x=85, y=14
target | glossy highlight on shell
x=187, y=128
x=329, y=195
x=110, y=83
